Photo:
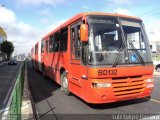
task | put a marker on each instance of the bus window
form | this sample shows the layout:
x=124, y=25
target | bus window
x=43, y=45
x=47, y=48
x=36, y=49
x=56, y=42
x=75, y=41
x=73, y=52
x=63, y=39
x=78, y=42
x=51, y=41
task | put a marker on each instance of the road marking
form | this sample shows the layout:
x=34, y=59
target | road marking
x=157, y=101
x=7, y=97
x=9, y=92
x=8, y=100
x=11, y=88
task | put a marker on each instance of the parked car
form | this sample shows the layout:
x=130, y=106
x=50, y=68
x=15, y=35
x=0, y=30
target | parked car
x=157, y=68
x=12, y=62
x=154, y=54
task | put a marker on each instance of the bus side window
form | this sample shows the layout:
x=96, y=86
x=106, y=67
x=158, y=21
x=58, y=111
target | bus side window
x=56, y=42
x=73, y=50
x=51, y=41
x=47, y=48
x=78, y=42
x=43, y=45
x=63, y=39
x=75, y=41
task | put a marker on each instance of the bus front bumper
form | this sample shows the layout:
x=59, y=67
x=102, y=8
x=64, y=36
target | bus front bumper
x=107, y=93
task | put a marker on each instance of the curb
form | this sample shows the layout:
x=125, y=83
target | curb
x=27, y=109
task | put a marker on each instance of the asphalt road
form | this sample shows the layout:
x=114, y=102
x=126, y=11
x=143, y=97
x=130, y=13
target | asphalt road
x=7, y=79
x=52, y=104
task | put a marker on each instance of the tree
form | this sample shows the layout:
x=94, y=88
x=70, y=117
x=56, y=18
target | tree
x=8, y=48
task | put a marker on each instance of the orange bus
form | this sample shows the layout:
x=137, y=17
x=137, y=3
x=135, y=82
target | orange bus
x=100, y=57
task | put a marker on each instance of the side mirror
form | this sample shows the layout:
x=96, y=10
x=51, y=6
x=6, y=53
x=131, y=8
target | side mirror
x=84, y=33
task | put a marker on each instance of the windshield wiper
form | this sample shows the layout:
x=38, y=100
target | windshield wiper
x=118, y=55
x=122, y=45
x=137, y=53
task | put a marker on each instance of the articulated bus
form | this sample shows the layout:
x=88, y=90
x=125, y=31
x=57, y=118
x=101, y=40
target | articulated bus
x=100, y=57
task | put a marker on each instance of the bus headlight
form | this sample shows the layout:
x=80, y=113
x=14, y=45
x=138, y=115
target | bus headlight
x=101, y=85
x=150, y=86
x=149, y=80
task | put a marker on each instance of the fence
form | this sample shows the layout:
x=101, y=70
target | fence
x=13, y=109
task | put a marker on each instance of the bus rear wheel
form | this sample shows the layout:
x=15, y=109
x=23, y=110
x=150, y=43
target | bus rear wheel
x=43, y=72
x=64, y=83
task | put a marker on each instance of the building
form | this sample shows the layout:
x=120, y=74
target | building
x=155, y=46
x=3, y=37
x=21, y=57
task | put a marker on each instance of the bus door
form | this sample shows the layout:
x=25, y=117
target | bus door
x=77, y=70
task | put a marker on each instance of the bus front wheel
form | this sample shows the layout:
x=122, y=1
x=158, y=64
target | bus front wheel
x=64, y=83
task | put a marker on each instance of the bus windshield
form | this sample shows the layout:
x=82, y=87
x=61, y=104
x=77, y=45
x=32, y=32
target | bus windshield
x=117, y=41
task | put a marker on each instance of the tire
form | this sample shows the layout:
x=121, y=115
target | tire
x=64, y=83
x=43, y=72
x=148, y=98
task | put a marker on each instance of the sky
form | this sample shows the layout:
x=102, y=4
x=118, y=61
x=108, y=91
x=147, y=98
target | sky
x=27, y=21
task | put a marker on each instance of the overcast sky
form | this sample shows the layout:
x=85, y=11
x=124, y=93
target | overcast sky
x=27, y=21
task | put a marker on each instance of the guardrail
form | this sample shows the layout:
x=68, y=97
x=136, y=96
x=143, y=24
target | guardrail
x=13, y=108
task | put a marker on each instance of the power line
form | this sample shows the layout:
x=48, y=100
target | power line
x=150, y=12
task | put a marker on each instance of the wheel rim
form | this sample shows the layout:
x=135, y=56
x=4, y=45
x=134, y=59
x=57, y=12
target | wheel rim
x=65, y=83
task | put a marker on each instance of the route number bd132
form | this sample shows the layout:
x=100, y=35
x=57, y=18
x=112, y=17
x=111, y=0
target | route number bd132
x=107, y=72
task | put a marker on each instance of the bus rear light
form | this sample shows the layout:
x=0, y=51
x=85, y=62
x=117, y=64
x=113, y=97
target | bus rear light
x=150, y=86
x=101, y=85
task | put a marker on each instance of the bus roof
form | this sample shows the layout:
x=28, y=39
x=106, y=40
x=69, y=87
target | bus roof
x=80, y=15
x=109, y=14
